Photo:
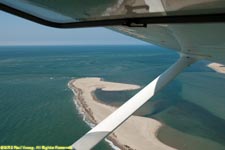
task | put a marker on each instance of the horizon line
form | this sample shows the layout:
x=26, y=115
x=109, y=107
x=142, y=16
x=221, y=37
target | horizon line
x=73, y=44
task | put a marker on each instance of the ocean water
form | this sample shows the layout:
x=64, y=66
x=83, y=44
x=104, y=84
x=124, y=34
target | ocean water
x=37, y=108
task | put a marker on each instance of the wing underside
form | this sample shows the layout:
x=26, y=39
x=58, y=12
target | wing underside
x=204, y=40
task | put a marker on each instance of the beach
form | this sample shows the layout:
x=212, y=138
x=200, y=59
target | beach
x=137, y=133
x=217, y=67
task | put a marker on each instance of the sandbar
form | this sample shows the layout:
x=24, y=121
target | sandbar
x=217, y=67
x=137, y=133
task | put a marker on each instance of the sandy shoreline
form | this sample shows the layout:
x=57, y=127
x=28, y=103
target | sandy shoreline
x=217, y=67
x=137, y=133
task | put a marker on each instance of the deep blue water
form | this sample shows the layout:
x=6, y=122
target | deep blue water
x=36, y=106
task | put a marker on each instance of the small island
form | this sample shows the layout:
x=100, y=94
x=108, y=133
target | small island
x=137, y=133
x=217, y=67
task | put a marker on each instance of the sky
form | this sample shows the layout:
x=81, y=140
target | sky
x=18, y=31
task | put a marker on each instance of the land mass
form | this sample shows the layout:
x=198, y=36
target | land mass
x=217, y=67
x=137, y=133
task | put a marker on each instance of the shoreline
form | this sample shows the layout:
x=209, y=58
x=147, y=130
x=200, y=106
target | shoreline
x=220, y=68
x=129, y=136
x=79, y=106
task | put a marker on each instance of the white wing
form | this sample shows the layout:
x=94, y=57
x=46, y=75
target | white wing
x=114, y=120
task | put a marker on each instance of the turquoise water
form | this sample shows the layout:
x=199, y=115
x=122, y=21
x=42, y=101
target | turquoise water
x=37, y=108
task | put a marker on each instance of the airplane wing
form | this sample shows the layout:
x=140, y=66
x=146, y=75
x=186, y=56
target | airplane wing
x=190, y=26
x=194, y=28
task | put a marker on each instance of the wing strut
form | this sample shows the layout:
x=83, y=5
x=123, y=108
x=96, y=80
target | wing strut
x=108, y=125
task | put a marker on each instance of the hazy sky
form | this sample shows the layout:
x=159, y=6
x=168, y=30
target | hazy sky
x=18, y=31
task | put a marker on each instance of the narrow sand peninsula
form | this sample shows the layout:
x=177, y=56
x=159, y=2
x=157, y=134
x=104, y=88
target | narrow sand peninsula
x=217, y=67
x=137, y=133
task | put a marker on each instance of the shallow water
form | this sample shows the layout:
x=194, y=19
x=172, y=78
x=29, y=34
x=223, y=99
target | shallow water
x=37, y=108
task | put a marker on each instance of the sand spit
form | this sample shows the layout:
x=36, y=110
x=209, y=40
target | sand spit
x=217, y=67
x=137, y=133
